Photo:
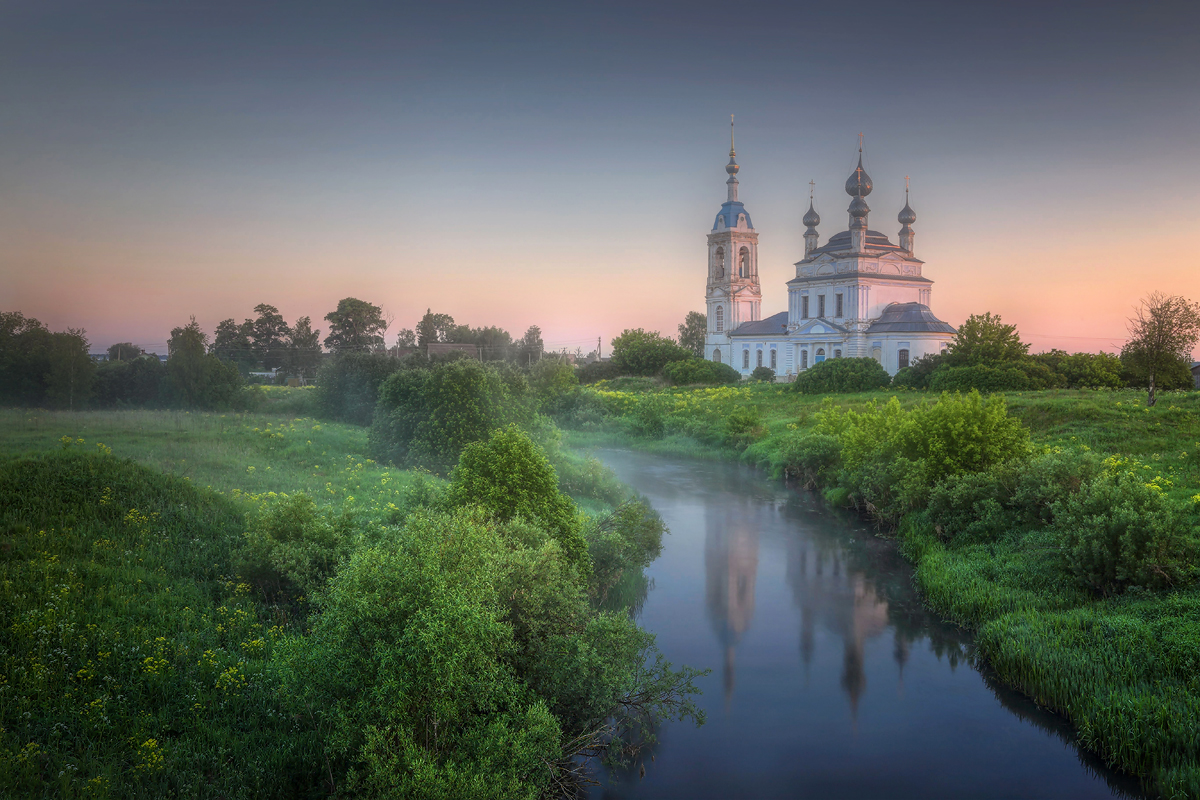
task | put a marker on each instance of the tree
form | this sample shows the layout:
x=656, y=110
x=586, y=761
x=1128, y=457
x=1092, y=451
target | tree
x=434, y=328
x=123, y=351
x=984, y=339
x=639, y=352
x=195, y=378
x=842, y=375
x=70, y=369
x=355, y=325
x=303, y=354
x=692, y=333
x=1163, y=331
x=269, y=334
x=406, y=338
x=530, y=347
x=232, y=343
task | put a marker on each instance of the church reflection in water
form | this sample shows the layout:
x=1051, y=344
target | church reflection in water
x=829, y=594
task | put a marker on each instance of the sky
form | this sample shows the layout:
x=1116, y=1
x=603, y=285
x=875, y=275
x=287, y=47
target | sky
x=561, y=164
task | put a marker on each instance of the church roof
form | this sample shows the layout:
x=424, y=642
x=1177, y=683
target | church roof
x=730, y=210
x=841, y=241
x=774, y=325
x=909, y=318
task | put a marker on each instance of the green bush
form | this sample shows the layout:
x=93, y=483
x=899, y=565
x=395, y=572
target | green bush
x=1010, y=376
x=427, y=416
x=812, y=458
x=628, y=539
x=842, y=375
x=975, y=505
x=763, y=374
x=1119, y=531
x=1084, y=370
x=136, y=383
x=916, y=375
x=700, y=372
x=743, y=427
x=595, y=371
x=553, y=383
x=291, y=540
x=639, y=352
x=509, y=476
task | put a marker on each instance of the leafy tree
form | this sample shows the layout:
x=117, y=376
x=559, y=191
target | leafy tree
x=232, y=343
x=840, y=375
x=434, y=328
x=138, y=383
x=70, y=370
x=1163, y=331
x=509, y=476
x=355, y=325
x=765, y=374
x=638, y=352
x=984, y=339
x=1084, y=370
x=692, y=332
x=123, y=351
x=530, y=347
x=269, y=334
x=406, y=338
x=303, y=353
x=552, y=379
x=196, y=379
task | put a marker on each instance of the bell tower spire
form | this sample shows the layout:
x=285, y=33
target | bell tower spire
x=811, y=220
x=906, y=218
x=732, y=166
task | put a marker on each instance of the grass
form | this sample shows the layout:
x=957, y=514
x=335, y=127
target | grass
x=1125, y=670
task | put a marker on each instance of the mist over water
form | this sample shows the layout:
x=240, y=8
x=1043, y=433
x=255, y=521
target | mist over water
x=829, y=679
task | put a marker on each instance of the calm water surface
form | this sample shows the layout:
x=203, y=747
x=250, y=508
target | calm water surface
x=829, y=680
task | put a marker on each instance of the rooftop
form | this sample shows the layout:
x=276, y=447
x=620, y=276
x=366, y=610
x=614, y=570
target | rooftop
x=909, y=318
x=730, y=210
x=775, y=324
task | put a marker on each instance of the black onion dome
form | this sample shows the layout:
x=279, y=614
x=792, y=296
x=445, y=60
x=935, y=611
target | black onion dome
x=858, y=208
x=907, y=216
x=812, y=219
x=732, y=166
x=859, y=182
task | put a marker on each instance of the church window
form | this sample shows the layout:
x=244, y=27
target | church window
x=803, y=359
x=837, y=353
x=773, y=361
x=745, y=359
x=717, y=356
x=759, y=364
x=804, y=307
x=745, y=262
x=719, y=262
x=877, y=354
x=903, y=359
x=820, y=355
x=837, y=304
x=821, y=306
x=719, y=316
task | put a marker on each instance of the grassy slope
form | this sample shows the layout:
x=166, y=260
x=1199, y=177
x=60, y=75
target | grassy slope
x=1126, y=671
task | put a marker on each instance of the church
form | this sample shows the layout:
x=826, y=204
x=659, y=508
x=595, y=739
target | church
x=859, y=295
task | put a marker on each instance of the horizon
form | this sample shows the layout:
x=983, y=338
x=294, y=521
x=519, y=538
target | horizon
x=561, y=167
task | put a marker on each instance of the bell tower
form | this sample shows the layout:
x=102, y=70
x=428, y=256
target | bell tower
x=733, y=296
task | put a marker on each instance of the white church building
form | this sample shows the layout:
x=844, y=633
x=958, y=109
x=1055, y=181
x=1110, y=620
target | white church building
x=859, y=295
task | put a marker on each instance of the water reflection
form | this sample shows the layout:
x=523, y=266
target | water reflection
x=830, y=678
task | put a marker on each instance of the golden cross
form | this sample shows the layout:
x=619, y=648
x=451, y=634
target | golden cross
x=860, y=142
x=812, y=185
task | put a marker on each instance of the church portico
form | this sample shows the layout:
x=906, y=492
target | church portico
x=858, y=296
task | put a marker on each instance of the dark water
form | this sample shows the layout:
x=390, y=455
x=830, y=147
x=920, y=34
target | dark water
x=829, y=680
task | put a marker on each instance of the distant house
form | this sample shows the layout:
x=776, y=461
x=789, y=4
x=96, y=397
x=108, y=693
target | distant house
x=435, y=348
x=1196, y=373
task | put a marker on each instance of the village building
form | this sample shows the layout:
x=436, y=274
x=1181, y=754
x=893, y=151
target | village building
x=858, y=295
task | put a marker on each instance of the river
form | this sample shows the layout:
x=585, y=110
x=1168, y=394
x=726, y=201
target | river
x=829, y=679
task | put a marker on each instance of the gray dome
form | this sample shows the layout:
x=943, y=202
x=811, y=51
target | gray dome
x=812, y=219
x=859, y=182
x=909, y=318
x=732, y=166
x=858, y=208
x=907, y=215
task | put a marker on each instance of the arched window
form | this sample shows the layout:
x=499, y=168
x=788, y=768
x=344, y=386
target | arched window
x=773, y=361
x=803, y=359
x=744, y=259
x=877, y=354
x=903, y=359
x=719, y=317
x=719, y=262
x=759, y=364
x=745, y=359
x=717, y=356
x=820, y=355
x=837, y=353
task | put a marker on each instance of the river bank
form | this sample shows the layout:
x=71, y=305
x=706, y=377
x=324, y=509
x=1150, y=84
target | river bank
x=1119, y=666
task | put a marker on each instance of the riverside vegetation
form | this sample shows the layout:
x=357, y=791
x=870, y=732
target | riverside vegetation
x=1063, y=526
x=260, y=605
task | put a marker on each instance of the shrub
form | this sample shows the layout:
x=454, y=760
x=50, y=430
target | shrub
x=627, y=539
x=597, y=371
x=698, y=371
x=138, y=382
x=743, y=426
x=811, y=458
x=1050, y=478
x=1010, y=376
x=552, y=381
x=1084, y=370
x=639, y=352
x=1121, y=531
x=509, y=476
x=841, y=375
x=916, y=375
x=291, y=540
x=764, y=374
x=973, y=504
x=348, y=385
